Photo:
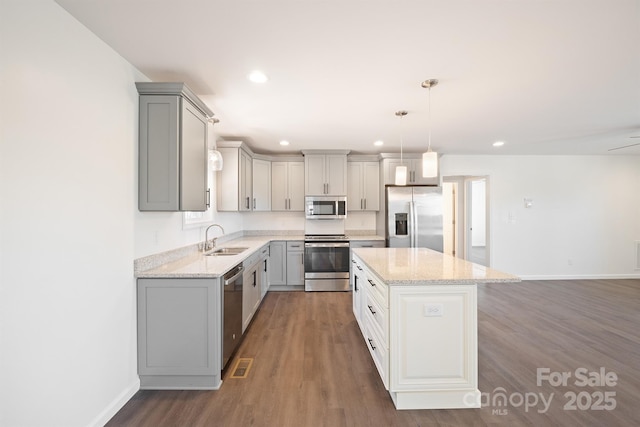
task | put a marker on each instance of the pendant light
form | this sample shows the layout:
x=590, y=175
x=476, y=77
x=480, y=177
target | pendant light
x=215, y=157
x=430, y=158
x=401, y=171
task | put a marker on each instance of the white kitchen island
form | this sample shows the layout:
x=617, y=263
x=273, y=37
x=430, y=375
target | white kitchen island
x=417, y=310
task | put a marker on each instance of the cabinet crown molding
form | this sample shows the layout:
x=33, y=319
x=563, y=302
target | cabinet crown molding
x=311, y=152
x=173, y=88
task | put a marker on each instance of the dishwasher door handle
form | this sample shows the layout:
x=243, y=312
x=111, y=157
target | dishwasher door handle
x=235, y=276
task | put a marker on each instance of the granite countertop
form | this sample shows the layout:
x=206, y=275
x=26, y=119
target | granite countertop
x=421, y=266
x=197, y=265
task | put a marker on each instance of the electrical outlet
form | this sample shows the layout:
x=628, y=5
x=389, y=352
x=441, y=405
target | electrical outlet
x=433, y=310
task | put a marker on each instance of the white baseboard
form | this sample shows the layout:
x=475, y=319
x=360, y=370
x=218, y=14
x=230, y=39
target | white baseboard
x=582, y=277
x=117, y=404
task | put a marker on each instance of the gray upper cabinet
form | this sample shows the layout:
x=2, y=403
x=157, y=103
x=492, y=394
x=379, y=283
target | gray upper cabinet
x=363, y=191
x=325, y=172
x=287, y=186
x=235, y=180
x=261, y=185
x=172, y=148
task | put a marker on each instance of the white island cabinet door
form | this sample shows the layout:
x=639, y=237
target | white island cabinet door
x=433, y=346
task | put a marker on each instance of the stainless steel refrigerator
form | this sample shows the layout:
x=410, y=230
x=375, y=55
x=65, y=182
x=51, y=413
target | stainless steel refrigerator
x=414, y=217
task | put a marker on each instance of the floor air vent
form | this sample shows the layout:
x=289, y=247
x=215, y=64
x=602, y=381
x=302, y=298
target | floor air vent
x=242, y=367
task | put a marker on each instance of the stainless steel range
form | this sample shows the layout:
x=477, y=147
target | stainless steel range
x=326, y=262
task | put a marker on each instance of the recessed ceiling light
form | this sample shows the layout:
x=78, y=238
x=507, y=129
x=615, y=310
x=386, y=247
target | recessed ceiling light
x=283, y=142
x=378, y=143
x=258, y=77
x=498, y=143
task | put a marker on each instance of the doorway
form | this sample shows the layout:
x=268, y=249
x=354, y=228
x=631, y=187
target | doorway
x=466, y=218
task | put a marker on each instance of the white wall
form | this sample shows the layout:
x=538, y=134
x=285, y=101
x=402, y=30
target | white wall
x=585, y=217
x=67, y=188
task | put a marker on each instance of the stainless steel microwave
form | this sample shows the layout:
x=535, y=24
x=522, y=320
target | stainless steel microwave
x=325, y=207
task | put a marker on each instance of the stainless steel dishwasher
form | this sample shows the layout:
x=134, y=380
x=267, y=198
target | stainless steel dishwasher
x=232, y=313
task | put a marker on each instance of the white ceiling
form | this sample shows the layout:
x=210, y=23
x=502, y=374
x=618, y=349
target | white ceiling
x=546, y=77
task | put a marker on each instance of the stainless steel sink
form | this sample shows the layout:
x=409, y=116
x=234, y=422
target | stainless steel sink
x=225, y=251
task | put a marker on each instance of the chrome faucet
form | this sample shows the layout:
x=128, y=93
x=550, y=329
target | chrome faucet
x=206, y=246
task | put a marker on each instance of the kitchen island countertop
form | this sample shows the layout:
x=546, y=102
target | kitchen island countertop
x=421, y=266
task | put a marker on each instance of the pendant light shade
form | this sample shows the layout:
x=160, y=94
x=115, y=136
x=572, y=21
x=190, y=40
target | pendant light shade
x=429, y=158
x=215, y=160
x=215, y=157
x=401, y=171
x=401, y=175
x=430, y=164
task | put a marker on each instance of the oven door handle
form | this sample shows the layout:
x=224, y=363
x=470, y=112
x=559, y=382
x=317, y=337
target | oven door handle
x=326, y=245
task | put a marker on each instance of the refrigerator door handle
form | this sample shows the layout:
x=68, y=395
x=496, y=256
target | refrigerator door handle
x=415, y=225
x=412, y=228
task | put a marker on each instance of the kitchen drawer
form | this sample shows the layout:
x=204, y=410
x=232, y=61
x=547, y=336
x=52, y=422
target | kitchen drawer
x=377, y=288
x=264, y=251
x=295, y=245
x=377, y=316
x=366, y=244
x=379, y=352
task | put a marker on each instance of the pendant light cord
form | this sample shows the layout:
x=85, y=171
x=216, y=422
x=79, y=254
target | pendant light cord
x=401, y=114
x=429, y=146
x=401, y=141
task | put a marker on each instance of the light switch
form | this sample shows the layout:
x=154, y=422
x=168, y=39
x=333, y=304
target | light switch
x=433, y=310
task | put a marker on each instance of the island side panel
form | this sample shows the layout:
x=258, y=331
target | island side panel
x=434, y=346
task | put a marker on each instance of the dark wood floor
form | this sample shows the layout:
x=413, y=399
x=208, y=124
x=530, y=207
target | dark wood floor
x=311, y=366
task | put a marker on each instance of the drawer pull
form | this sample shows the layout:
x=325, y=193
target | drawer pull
x=359, y=268
x=371, y=343
x=371, y=282
x=371, y=309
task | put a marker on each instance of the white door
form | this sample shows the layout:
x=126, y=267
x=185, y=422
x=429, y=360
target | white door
x=449, y=215
x=477, y=220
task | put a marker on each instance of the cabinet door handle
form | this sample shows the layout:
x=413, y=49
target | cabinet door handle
x=254, y=279
x=365, y=204
x=371, y=343
x=208, y=198
x=302, y=258
x=265, y=265
x=247, y=204
x=371, y=309
x=371, y=282
x=254, y=203
x=355, y=284
x=359, y=268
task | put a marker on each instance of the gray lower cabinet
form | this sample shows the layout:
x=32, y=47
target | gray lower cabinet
x=179, y=333
x=295, y=263
x=286, y=263
x=278, y=264
x=250, y=291
x=172, y=149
